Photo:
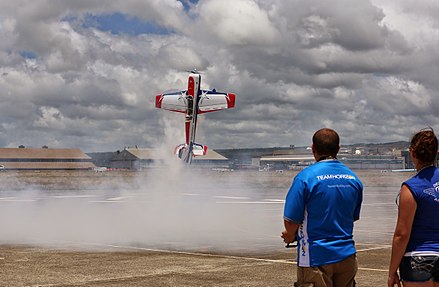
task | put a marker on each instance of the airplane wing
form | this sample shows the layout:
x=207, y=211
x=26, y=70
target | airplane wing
x=211, y=101
x=175, y=102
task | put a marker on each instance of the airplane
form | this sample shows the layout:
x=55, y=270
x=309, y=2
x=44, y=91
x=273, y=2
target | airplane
x=193, y=102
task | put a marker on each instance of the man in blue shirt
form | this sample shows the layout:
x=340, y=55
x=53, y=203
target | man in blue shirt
x=320, y=209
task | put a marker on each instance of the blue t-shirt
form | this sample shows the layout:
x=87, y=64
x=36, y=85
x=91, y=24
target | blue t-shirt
x=425, y=230
x=325, y=199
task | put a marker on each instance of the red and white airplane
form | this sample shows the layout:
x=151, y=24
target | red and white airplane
x=193, y=102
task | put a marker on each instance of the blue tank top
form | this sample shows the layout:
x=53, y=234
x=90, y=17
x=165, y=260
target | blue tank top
x=425, y=230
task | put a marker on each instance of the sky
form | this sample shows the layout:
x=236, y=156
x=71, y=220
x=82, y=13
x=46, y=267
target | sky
x=85, y=73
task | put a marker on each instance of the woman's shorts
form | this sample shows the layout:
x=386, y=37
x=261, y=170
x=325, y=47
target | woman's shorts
x=419, y=268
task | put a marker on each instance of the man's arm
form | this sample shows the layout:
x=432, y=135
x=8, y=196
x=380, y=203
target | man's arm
x=294, y=209
x=289, y=234
x=358, y=206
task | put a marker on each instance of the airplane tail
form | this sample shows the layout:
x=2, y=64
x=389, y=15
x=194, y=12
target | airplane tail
x=199, y=149
x=186, y=152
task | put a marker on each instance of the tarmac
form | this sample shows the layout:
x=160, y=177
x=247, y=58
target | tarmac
x=55, y=237
x=122, y=266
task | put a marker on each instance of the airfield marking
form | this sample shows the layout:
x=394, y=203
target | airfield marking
x=189, y=253
x=375, y=232
x=73, y=196
x=283, y=261
x=117, y=198
x=247, y=202
x=14, y=199
x=231, y=197
x=276, y=200
x=373, y=269
x=106, y=201
x=374, y=248
x=379, y=204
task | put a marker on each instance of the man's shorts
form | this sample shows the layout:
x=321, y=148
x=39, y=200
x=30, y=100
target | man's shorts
x=417, y=268
x=340, y=274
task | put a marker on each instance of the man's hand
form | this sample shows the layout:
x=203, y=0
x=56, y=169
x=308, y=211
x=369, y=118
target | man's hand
x=288, y=237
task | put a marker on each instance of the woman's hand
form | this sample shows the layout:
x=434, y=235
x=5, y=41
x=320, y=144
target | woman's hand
x=393, y=280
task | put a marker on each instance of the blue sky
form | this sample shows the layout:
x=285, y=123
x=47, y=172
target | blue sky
x=118, y=23
x=28, y=54
x=188, y=3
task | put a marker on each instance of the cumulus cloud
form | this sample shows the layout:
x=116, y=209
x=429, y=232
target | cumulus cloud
x=367, y=69
x=238, y=22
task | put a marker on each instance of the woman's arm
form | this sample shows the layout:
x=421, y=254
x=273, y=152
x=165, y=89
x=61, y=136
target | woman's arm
x=406, y=215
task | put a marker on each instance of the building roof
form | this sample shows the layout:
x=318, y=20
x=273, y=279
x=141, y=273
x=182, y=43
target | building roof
x=210, y=155
x=145, y=153
x=288, y=158
x=47, y=165
x=42, y=153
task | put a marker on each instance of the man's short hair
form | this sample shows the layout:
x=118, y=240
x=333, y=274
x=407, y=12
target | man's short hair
x=326, y=142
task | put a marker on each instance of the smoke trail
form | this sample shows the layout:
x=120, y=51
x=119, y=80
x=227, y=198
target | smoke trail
x=189, y=209
x=172, y=206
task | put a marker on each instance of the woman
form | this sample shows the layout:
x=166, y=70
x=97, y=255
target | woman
x=415, y=248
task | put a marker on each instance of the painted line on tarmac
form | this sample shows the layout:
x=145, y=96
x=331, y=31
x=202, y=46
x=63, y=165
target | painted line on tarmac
x=186, y=253
x=379, y=204
x=107, y=201
x=231, y=197
x=283, y=261
x=373, y=269
x=375, y=232
x=14, y=199
x=119, y=198
x=276, y=200
x=73, y=196
x=246, y=202
x=374, y=248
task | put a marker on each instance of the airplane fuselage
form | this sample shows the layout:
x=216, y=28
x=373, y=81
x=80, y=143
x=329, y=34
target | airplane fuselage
x=193, y=98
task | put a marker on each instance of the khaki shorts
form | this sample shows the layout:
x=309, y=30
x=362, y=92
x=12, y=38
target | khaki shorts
x=340, y=274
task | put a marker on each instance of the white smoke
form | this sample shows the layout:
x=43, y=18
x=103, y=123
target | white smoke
x=172, y=206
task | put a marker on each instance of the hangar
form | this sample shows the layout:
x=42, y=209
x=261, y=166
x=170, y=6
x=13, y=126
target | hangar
x=141, y=158
x=382, y=162
x=44, y=159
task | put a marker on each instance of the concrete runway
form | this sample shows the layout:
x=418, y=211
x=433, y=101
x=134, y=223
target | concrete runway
x=202, y=236
x=120, y=266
